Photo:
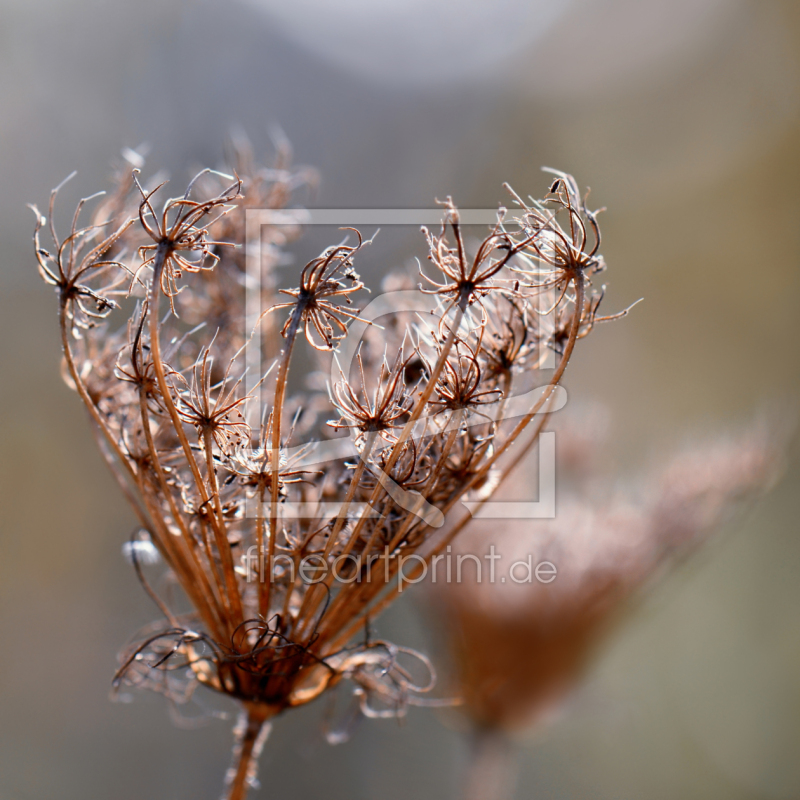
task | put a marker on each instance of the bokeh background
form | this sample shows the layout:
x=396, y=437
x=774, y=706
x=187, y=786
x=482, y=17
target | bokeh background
x=683, y=116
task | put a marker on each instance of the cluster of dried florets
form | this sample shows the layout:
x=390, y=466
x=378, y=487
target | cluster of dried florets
x=519, y=647
x=285, y=552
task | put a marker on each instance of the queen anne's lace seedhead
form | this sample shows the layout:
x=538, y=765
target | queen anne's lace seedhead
x=285, y=555
x=386, y=410
x=317, y=300
x=178, y=235
x=519, y=647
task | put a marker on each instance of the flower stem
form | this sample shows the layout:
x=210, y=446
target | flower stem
x=277, y=420
x=251, y=733
x=217, y=524
x=492, y=770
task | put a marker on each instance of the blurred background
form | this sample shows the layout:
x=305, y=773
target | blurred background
x=684, y=118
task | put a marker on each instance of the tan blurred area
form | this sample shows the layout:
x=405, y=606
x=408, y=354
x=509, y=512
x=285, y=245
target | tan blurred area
x=683, y=117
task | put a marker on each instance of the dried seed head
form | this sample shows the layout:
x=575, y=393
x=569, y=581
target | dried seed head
x=177, y=234
x=273, y=541
x=316, y=306
x=519, y=647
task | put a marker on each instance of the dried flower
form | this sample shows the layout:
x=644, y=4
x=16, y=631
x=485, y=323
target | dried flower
x=518, y=647
x=176, y=232
x=468, y=281
x=285, y=553
x=319, y=284
x=389, y=406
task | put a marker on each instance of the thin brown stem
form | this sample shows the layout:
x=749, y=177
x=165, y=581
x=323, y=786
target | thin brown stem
x=217, y=524
x=546, y=398
x=84, y=393
x=277, y=420
x=362, y=594
x=251, y=732
x=263, y=599
x=198, y=583
x=302, y=616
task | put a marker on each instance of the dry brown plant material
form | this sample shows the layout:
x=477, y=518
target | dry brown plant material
x=519, y=648
x=151, y=295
